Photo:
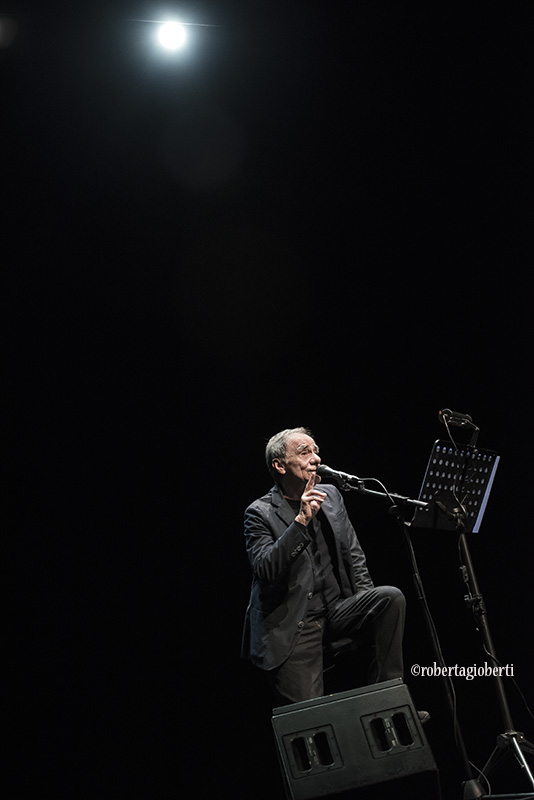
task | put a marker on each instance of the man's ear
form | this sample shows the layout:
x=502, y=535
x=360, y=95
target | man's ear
x=279, y=466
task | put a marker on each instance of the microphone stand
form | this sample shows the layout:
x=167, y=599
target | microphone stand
x=512, y=740
x=472, y=788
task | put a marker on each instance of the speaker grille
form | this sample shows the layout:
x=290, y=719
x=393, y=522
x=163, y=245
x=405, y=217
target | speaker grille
x=391, y=732
x=312, y=751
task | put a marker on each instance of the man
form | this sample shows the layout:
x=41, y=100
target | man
x=310, y=578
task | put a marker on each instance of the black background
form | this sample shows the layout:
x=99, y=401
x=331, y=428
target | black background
x=320, y=214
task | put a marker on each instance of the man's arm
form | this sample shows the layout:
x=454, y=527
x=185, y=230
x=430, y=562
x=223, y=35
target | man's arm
x=270, y=557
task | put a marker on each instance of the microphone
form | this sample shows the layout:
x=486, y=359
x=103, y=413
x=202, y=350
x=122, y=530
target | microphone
x=446, y=416
x=328, y=472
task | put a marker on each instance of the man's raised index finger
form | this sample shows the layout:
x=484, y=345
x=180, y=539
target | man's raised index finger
x=311, y=482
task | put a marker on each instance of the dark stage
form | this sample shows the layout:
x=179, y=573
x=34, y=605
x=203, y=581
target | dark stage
x=319, y=213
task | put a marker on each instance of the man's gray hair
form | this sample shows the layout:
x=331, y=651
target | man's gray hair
x=277, y=447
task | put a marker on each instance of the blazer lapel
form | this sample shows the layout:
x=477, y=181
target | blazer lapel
x=329, y=511
x=282, y=509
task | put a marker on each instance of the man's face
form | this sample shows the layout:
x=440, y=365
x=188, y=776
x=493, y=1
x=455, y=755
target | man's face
x=300, y=462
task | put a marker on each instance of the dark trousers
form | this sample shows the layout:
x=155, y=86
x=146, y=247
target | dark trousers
x=379, y=611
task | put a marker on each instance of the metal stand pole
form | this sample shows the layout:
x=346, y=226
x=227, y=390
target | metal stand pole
x=472, y=788
x=511, y=741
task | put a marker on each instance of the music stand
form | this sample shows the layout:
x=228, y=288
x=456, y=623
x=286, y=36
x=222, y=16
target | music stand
x=456, y=487
x=453, y=497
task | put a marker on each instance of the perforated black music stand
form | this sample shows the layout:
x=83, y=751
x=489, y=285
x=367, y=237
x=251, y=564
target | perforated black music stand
x=456, y=489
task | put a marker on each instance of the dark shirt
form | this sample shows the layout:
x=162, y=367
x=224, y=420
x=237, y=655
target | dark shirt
x=324, y=562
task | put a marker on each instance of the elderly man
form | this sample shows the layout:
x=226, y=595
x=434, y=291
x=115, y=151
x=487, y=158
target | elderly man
x=310, y=578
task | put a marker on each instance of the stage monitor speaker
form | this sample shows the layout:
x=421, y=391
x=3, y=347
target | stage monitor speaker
x=366, y=743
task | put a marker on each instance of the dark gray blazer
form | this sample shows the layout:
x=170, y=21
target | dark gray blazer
x=282, y=572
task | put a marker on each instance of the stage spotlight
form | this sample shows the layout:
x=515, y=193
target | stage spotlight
x=171, y=35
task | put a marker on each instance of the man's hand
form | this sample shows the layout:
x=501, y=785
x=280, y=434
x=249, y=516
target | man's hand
x=310, y=502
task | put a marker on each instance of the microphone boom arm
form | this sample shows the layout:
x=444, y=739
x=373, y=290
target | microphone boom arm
x=351, y=483
x=398, y=498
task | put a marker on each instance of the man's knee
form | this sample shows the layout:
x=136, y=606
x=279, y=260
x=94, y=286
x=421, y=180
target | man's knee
x=393, y=596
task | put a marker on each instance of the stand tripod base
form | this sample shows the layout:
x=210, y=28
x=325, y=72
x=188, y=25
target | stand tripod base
x=511, y=742
x=472, y=790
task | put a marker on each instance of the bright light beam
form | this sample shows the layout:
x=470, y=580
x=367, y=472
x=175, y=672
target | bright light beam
x=172, y=35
